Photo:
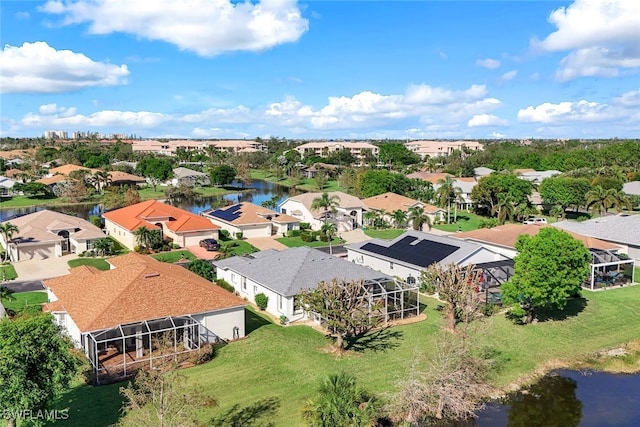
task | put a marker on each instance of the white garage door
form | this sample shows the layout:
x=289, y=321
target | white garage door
x=37, y=252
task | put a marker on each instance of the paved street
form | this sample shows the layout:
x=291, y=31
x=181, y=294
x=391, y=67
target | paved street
x=24, y=286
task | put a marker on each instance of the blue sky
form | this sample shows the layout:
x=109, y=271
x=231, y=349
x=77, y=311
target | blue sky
x=322, y=69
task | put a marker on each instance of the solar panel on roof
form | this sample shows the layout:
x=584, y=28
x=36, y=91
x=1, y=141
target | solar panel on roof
x=229, y=214
x=422, y=253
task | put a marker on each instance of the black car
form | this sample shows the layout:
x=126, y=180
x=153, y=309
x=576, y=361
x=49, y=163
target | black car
x=210, y=244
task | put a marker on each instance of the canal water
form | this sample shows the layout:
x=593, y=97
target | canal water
x=569, y=399
x=257, y=192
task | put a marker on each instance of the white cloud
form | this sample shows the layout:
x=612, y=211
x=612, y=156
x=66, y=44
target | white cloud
x=628, y=99
x=39, y=68
x=601, y=36
x=509, y=75
x=496, y=135
x=53, y=109
x=206, y=27
x=488, y=63
x=486, y=120
x=567, y=111
x=22, y=15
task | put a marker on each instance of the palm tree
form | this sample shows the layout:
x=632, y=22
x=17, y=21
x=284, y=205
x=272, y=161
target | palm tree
x=147, y=238
x=102, y=180
x=326, y=202
x=370, y=217
x=600, y=199
x=340, y=403
x=103, y=246
x=225, y=251
x=445, y=194
x=7, y=230
x=620, y=200
x=505, y=208
x=418, y=217
x=329, y=229
x=399, y=218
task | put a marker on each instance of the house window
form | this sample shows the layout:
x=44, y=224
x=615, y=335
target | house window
x=233, y=278
x=89, y=245
x=284, y=211
x=244, y=283
x=280, y=302
x=297, y=307
x=390, y=266
x=255, y=289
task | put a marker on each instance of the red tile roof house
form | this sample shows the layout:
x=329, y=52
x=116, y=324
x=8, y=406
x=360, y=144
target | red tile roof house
x=116, y=316
x=183, y=227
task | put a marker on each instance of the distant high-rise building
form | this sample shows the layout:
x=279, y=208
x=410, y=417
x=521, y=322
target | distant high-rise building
x=56, y=134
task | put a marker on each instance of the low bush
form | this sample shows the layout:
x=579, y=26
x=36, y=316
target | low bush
x=262, y=301
x=294, y=233
x=489, y=223
x=239, y=235
x=225, y=285
x=307, y=237
x=284, y=319
x=305, y=226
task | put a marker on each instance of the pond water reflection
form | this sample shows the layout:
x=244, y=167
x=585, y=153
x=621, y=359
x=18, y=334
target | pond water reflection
x=568, y=399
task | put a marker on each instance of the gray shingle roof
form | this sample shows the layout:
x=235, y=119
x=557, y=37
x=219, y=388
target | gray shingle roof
x=615, y=228
x=289, y=271
x=463, y=251
x=632, y=188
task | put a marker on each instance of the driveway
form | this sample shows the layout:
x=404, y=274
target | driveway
x=264, y=243
x=354, y=236
x=202, y=253
x=41, y=269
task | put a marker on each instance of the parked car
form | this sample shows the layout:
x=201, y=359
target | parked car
x=537, y=221
x=210, y=244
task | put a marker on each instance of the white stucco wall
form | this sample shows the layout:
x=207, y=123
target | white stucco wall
x=69, y=327
x=289, y=206
x=121, y=234
x=221, y=323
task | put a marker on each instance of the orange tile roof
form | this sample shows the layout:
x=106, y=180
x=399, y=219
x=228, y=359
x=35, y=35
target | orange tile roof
x=151, y=211
x=389, y=202
x=48, y=180
x=138, y=288
x=123, y=176
x=67, y=169
x=507, y=235
x=429, y=176
x=11, y=173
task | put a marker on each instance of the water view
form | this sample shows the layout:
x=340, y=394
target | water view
x=570, y=399
x=257, y=192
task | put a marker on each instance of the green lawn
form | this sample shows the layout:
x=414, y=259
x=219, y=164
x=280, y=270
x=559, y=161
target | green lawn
x=467, y=221
x=240, y=247
x=286, y=363
x=174, y=256
x=147, y=193
x=8, y=272
x=387, y=233
x=29, y=301
x=294, y=242
x=99, y=263
x=304, y=184
x=24, y=201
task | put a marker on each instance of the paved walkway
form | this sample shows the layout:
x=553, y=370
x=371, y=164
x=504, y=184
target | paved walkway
x=264, y=243
x=41, y=269
x=354, y=236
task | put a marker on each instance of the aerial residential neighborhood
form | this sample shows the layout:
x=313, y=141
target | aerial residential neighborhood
x=330, y=214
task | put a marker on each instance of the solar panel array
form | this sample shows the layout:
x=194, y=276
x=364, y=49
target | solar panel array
x=423, y=253
x=229, y=214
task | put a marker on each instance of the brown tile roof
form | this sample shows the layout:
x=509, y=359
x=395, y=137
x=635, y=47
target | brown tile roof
x=507, y=235
x=67, y=169
x=48, y=180
x=138, y=288
x=11, y=173
x=249, y=213
x=428, y=176
x=152, y=211
x=117, y=176
x=390, y=202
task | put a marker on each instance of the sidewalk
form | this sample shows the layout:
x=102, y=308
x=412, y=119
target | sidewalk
x=41, y=269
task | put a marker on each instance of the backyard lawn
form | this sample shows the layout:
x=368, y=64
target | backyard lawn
x=285, y=364
x=387, y=233
x=294, y=242
x=304, y=184
x=26, y=301
x=239, y=247
x=174, y=256
x=467, y=221
x=99, y=263
x=23, y=201
x=8, y=272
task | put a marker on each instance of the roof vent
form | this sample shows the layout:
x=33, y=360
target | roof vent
x=150, y=275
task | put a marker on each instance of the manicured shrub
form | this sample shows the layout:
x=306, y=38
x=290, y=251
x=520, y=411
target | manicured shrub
x=262, y=301
x=307, y=237
x=305, y=226
x=225, y=285
x=225, y=234
x=284, y=319
x=294, y=233
x=239, y=235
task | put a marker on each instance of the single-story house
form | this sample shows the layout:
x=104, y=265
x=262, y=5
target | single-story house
x=536, y=177
x=118, y=316
x=46, y=234
x=631, y=188
x=6, y=184
x=252, y=220
x=482, y=171
x=409, y=254
x=388, y=203
x=282, y=275
x=622, y=230
x=182, y=227
x=348, y=215
x=432, y=177
x=606, y=258
x=189, y=177
x=120, y=179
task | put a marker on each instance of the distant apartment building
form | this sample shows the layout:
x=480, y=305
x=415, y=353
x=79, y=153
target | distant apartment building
x=324, y=149
x=441, y=148
x=168, y=148
x=56, y=134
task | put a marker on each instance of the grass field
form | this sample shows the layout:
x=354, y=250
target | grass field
x=147, y=193
x=24, y=201
x=303, y=184
x=286, y=363
x=387, y=233
x=467, y=221
x=240, y=247
x=8, y=272
x=99, y=263
x=295, y=242
x=29, y=301
x=174, y=256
